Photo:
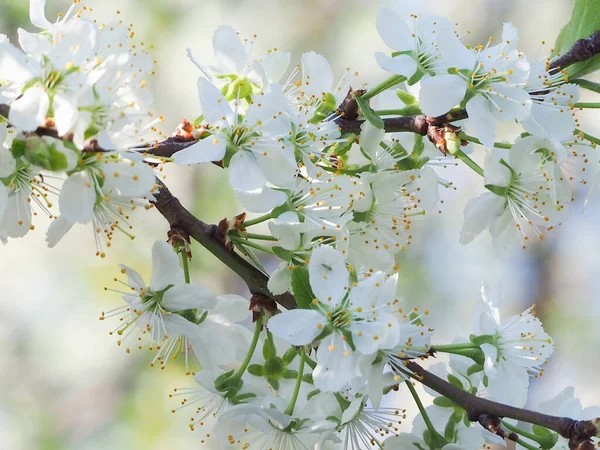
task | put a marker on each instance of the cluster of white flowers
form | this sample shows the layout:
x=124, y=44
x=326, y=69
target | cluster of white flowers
x=340, y=207
x=81, y=85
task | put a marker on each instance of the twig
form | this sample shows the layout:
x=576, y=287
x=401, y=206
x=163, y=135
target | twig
x=480, y=409
x=180, y=218
x=580, y=51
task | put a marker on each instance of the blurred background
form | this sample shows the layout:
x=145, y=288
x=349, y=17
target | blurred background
x=64, y=383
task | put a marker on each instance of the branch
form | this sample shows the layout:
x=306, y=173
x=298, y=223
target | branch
x=580, y=51
x=480, y=409
x=180, y=218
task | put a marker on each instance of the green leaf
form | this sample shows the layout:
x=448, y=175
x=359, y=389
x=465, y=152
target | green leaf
x=18, y=148
x=540, y=431
x=407, y=99
x=289, y=355
x=443, y=402
x=585, y=20
x=256, y=370
x=42, y=154
x=269, y=350
x=301, y=287
x=242, y=398
x=290, y=374
x=369, y=114
x=455, y=381
x=274, y=382
x=589, y=85
x=483, y=339
x=475, y=368
x=311, y=394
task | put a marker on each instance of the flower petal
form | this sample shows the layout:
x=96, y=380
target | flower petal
x=57, y=230
x=188, y=296
x=29, y=111
x=207, y=150
x=77, y=198
x=245, y=174
x=317, y=77
x=441, y=93
x=165, y=267
x=229, y=50
x=328, y=275
x=482, y=120
x=400, y=65
x=298, y=326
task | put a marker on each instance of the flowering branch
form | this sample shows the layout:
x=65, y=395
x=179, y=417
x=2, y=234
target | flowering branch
x=180, y=218
x=480, y=410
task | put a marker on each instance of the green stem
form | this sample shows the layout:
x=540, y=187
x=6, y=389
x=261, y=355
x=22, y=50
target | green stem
x=435, y=436
x=258, y=220
x=474, y=140
x=250, y=353
x=589, y=137
x=290, y=409
x=185, y=265
x=240, y=241
x=542, y=441
x=587, y=105
x=469, y=162
x=589, y=85
x=454, y=347
x=262, y=237
x=383, y=86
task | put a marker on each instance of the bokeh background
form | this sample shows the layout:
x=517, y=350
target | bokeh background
x=64, y=384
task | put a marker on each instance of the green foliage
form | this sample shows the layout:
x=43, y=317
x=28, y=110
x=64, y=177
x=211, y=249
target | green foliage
x=301, y=287
x=585, y=20
x=368, y=112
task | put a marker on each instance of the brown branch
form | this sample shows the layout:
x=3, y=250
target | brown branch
x=480, y=409
x=580, y=51
x=180, y=218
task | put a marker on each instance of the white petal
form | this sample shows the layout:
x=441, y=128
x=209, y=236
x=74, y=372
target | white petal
x=77, y=198
x=479, y=214
x=234, y=308
x=441, y=93
x=245, y=174
x=165, y=267
x=214, y=105
x=65, y=113
x=188, y=296
x=57, y=230
x=495, y=173
x=337, y=364
x=37, y=14
x=134, y=279
x=15, y=66
x=482, y=120
x=229, y=49
x=207, y=150
x=366, y=336
x=29, y=111
x=400, y=65
x=8, y=163
x=317, y=77
x=17, y=215
x=297, y=327
x=549, y=121
x=275, y=64
x=280, y=280
x=262, y=201
x=328, y=275
x=393, y=30
x=33, y=43
x=131, y=178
